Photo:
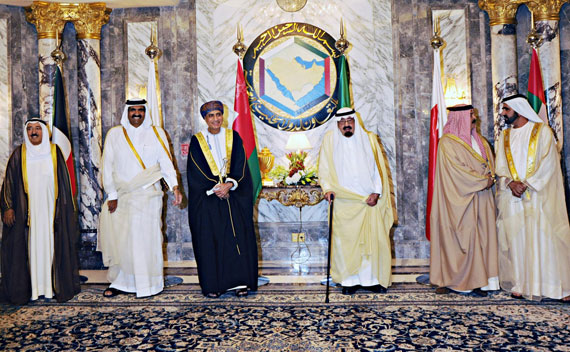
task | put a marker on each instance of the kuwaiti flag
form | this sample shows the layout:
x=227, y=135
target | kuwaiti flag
x=438, y=119
x=60, y=127
x=243, y=125
x=535, y=93
x=153, y=95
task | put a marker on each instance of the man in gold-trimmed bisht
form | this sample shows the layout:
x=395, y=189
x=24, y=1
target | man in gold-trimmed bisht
x=220, y=208
x=464, y=238
x=353, y=169
x=532, y=223
x=39, y=237
x=135, y=159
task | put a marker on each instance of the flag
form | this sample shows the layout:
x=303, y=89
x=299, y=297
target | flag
x=344, y=84
x=153, y=95
x=243, y=125
x=438, y=118
x=535, y=94
x=60, y=128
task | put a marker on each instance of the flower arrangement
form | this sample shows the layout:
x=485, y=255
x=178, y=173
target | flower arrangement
x=297, y=174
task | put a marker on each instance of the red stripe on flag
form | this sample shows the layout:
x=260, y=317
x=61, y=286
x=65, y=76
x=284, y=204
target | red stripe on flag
x=243, y=124
x=433, y=140
x=71, y=170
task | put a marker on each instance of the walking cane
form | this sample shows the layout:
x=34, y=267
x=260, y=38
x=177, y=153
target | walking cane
x=330, y=245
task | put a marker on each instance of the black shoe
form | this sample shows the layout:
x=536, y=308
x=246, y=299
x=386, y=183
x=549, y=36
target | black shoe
x=517, y=296
x=242, y=292
x=480, y=292
x=377, y=289
x=349, y=290
x=442, y=290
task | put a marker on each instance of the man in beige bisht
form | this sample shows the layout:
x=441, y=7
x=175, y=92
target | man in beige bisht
x=464, y=238
x=532, y=223
x=135, y=158
x=353, y=169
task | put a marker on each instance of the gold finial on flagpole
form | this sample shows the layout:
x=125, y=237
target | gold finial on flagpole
x=239, y=47
x=57, y=54
x=342, y=43
x=534, y=39
x=436, y=40
x=153, y=51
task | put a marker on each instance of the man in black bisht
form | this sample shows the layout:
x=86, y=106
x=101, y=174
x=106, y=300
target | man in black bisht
x=220, y=209
x=39, y=255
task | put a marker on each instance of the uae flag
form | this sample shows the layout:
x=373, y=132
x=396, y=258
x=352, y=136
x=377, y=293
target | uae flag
x=243, y=125
x=60, y=127
x=535, y=94
x=438, y=118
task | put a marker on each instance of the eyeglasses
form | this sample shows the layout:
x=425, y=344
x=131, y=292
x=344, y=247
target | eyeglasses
x=345, y=121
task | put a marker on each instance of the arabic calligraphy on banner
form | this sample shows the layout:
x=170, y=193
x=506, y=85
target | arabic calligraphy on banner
x=291, y=75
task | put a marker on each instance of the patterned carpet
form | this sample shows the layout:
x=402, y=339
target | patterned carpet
x=409, y=317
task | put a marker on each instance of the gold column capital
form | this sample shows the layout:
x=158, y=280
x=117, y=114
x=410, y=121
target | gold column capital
x=500, y=11
x=47, y=17
x=545, y=10
x=90, y=18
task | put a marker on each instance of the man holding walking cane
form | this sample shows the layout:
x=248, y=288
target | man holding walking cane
x=353, y=171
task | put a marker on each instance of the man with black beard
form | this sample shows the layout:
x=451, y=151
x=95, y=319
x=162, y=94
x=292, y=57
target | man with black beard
x=135, y=159
x=352, y=169
x=532, y=223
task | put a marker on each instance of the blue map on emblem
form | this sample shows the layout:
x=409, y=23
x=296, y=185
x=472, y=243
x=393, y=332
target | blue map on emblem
x=313, y=94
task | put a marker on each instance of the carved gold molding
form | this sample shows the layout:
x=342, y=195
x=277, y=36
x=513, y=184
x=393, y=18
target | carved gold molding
x=50, y=17
x=297, y=196
x=545, y=10
x=500, y=11
x=90, y=19
x=47, y=17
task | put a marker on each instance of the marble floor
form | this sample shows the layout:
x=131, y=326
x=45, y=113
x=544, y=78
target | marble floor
x=280, y=272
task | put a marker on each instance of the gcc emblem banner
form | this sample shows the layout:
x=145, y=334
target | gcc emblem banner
x=291, y=75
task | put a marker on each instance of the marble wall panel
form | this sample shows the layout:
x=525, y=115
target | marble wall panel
x=138, y=39
x=370, y=60
x=5, y=98
x=456, y=72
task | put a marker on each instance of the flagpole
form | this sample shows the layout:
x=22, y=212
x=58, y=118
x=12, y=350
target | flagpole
x=154, y=53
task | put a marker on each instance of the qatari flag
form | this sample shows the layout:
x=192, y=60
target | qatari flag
x=60, y=128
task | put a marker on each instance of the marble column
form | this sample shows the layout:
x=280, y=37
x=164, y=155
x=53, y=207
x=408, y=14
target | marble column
x=546, y=15
x=90, y=19
x=503, y=53
x=5, y=99
x=48, y=19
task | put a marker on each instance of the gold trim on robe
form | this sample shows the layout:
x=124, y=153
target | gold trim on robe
x=531, y=157
x=161, y=142
x=133, y=148
x=208, y=153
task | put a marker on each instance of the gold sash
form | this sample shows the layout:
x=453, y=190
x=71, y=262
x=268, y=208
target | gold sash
x=208, y=153
x=161, y=142
x=133, y=148
x=531, y=157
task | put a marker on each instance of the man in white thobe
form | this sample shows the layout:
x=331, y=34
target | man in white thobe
x=353, y=170
x=135, y=158
x=532, y=224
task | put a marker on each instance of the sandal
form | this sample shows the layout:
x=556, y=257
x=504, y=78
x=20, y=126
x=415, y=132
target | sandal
x=241, y=292
x=111, y=292
x=517, y=296
x=213, y=295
